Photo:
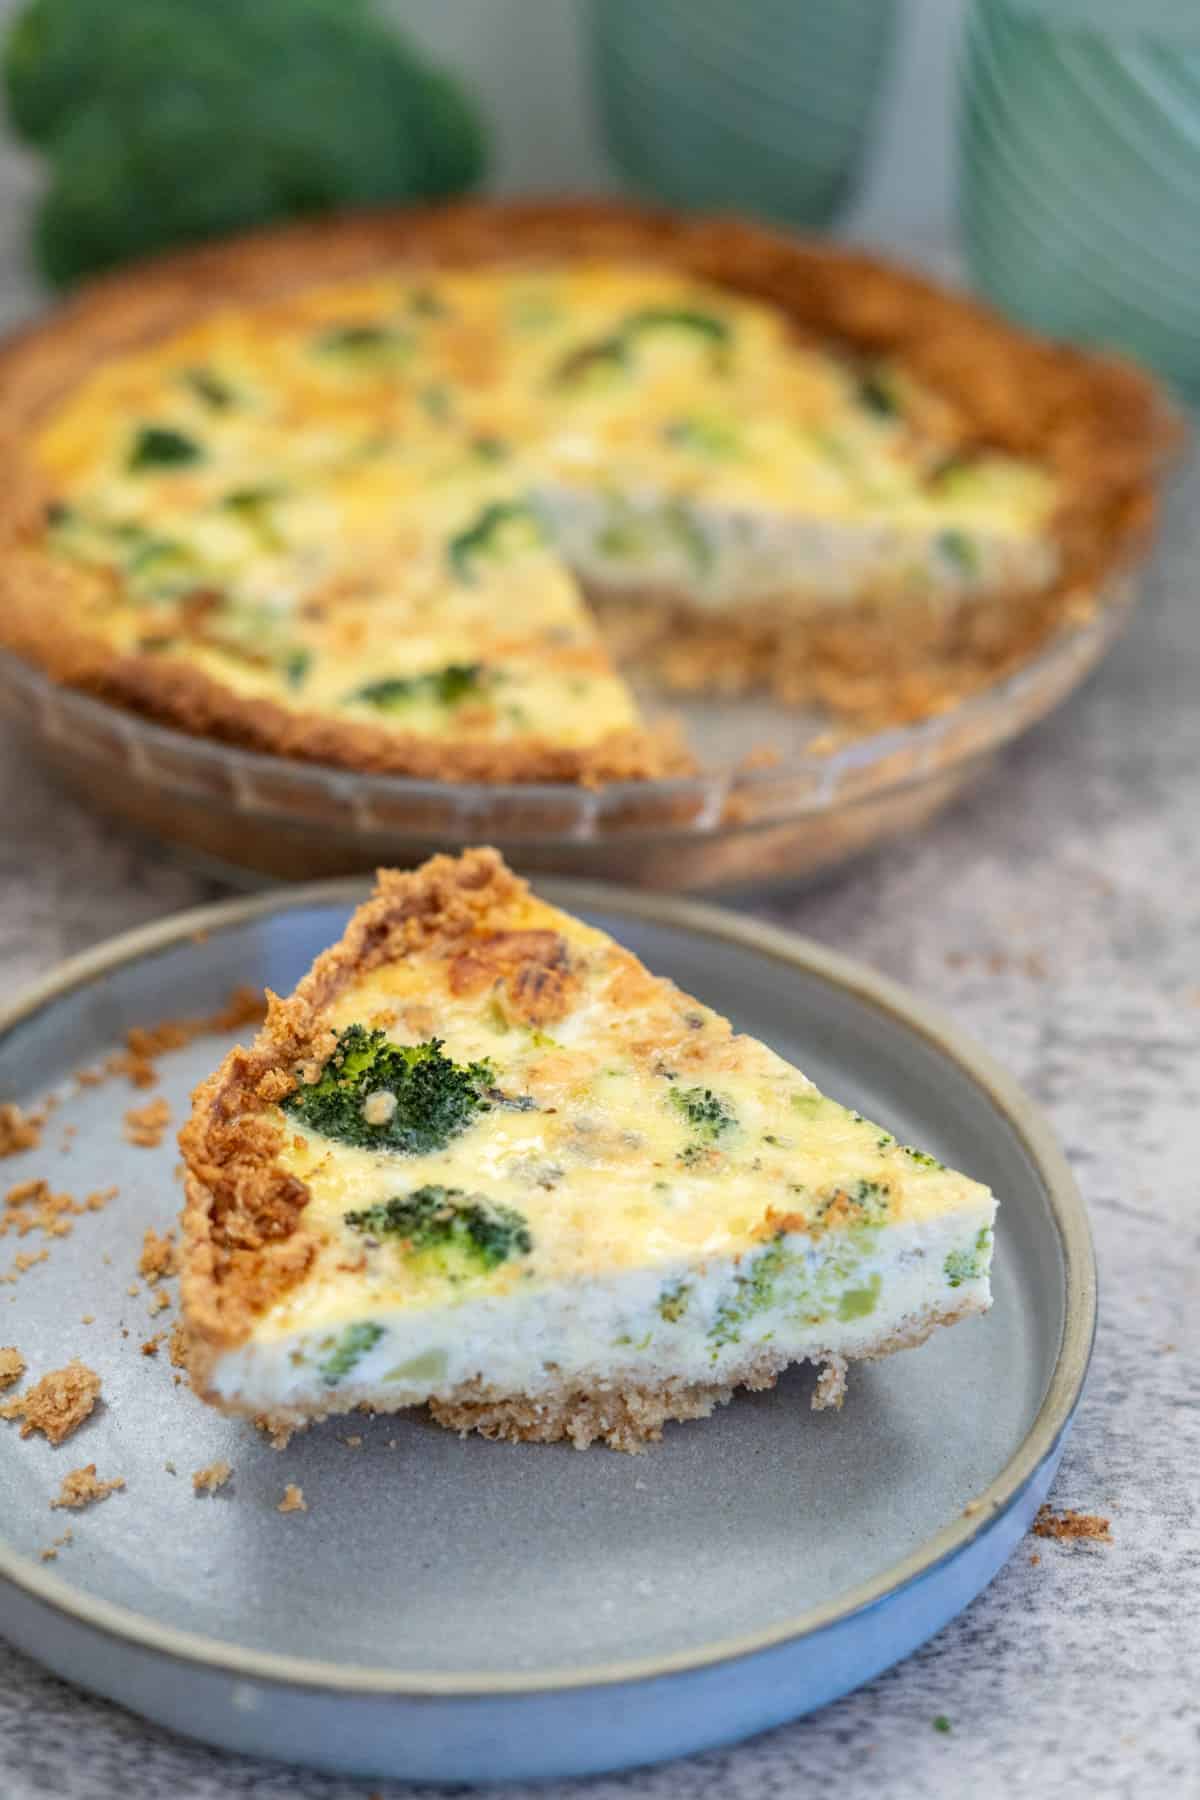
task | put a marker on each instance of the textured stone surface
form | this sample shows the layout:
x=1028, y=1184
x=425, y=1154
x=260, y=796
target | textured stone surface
x=1055, y=913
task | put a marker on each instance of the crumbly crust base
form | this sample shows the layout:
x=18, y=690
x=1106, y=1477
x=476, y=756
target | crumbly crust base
x=1102, y=427
x=625, y=1416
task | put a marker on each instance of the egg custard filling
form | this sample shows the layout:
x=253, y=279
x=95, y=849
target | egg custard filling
x=483, y=1159
x=359, y=521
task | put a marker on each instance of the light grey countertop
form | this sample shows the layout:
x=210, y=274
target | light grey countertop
x=1055, y=913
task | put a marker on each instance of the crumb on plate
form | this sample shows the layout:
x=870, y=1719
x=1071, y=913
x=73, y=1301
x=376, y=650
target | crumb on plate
x=158, y=1255
x=19, y=1130
x=57, y=1404
x=12, y=1366
x=81, y=1488
x=50, y=1553
x=212, y=1476
x=145, y=1125
x=293, y=1499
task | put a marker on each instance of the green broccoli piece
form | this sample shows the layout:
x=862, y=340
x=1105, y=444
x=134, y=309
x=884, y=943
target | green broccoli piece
x=960, y=550
x=378, y=1095
x=163, y=124
x=703, y=327
x=969, y=1265
x=444, y=687
x=877, y=394
x=706, y=1114
x=502, y=529
x=673, y=1302
x=211, y=388
x=612, y=355
x=348, y=1350
x=251, y=506
x=457, y=1233
x=706, y=437
x=363, y=345
x=752, y=1293
x=161, y=447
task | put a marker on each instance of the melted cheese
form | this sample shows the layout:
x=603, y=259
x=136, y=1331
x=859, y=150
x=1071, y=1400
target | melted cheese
x=296, y=497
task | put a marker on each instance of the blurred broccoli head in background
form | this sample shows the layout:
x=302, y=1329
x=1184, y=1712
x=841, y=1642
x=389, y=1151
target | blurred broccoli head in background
x=170, y=120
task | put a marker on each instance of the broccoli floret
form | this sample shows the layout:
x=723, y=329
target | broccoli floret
x=161, y=447
x=613, y=354
x=706, y=1114
x=458, y=1233
x=168, y=123
x=502, y=529
x=753, y=1292
x=969, y=1265
x=378, y=1095
x=704, y=327
x=958, y=549
x=673, y=1301
x=444, y=687
x=251, y=506
x=877, y=394
x=366, y=345
x=211, y=388
x=349, y=1349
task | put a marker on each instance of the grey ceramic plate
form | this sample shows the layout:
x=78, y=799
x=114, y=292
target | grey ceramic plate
x=465, y=1610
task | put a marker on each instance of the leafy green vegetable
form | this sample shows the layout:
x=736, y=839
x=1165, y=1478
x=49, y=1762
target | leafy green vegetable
x=378, y=1095
x=350, y=1348
x=445, y=687
x=211, y=388
x=708, y=437
x=706, y=1113
x=163, y=124
x=969, y=1265
x=502, y=529
x=959, y=550
x=368, y=345
x=877, y=394
x=463, y=1234
x=162, y=447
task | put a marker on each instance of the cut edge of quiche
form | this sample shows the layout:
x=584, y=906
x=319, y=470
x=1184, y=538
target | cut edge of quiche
x=483, y=1159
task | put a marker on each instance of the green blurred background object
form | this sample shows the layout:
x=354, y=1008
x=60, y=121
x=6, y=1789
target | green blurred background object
x=760, y=105
x=165, y=121
x=1079, y=178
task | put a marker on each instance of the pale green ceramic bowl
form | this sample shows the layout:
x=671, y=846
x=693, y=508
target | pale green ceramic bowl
x=764, y=107
x=1079, y=136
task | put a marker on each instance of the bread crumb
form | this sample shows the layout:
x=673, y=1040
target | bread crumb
x=50, y=1553
x=99, y=1200
x=293, y=1499
x=1071, y=1527
x=177, y=1349
x=160, y=1302
x=80, y=1488
x=1034, y=1560
x=213, y=1476
x=158, y=1255
x=145, y=1125
x=971, y=1508
x=58, y=1404
x=150, y=1346
x=12, y=1366
x=18, y=1130
x=353, y=1443
x=22, y=1261
x=88, y=1319
x=133, y=1290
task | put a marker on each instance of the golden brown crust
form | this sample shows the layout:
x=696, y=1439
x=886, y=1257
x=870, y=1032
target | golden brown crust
x=1101, y=426
x=243, y=1238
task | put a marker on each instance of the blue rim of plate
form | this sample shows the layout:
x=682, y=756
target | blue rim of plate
x=999, y=1497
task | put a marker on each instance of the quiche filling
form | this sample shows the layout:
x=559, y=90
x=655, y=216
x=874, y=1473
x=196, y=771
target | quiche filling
x=376, y=501
x=534, y=1174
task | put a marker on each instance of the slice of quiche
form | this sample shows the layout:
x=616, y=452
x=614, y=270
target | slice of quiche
x=482, y=1158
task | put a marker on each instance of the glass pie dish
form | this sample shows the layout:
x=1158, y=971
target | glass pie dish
x=776, y=797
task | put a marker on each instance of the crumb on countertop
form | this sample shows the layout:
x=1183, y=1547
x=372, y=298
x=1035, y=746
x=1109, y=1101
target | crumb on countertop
x=12, y=1366
x=293, y=1499
x=145, y=1125
x=1069, y=1526
x=212, y=1476
x=158, y=1255
x=19, y=1130
x=81, y=1488
x=57, y=1404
